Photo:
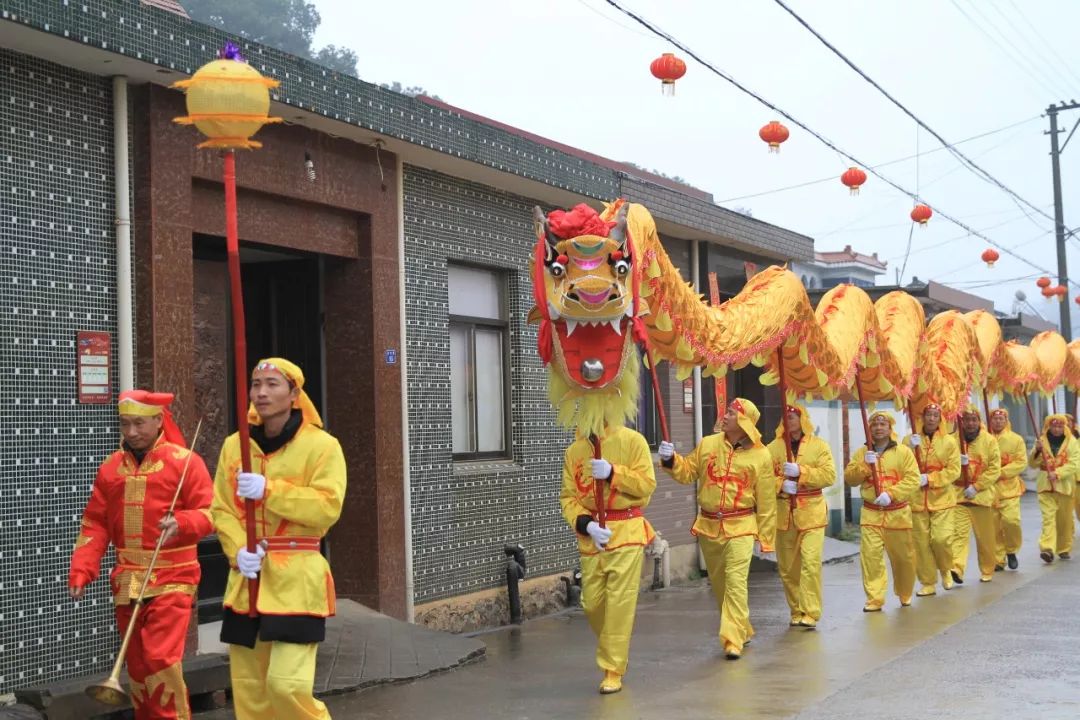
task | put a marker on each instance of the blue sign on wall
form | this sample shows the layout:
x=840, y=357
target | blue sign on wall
x=391, y=356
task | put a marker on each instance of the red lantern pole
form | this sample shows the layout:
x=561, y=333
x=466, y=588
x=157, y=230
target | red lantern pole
x=793, y=501
x=232, y=246
x=866, y=431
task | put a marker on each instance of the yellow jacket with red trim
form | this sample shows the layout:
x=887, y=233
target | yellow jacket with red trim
x=305, y=490
x=1065, y=464
x=1014, y=458
x=817, y=471
x=632, y=483
x=984, y=469
x=731, y=480
x=899, y=476
x=941, y=463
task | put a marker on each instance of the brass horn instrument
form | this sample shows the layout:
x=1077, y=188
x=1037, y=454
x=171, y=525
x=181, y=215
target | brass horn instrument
x=109, y=691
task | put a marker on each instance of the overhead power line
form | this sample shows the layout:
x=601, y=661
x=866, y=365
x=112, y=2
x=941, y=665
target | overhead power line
x=821, y=138
x=975, y=168
x=832, y=178
x=1048, y=46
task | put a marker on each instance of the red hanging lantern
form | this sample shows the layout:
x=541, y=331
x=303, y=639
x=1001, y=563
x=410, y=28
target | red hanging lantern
x=921, y=214
x=1078, y=299
x=774, y=133
x=1060, y=291
x=1048, y=292
x=667, y=69
x=853, y=177
x=990, y=256
x=1043, y=282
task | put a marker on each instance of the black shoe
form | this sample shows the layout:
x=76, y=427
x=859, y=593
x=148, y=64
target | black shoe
x=956, y=577
x=999, y=568
x=1047, y=556
x=1013, y=564
x=1065, y=556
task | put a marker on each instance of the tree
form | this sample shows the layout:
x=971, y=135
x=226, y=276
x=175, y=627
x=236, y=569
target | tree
x=411, y=91
x=343, y=60
x=288, y=25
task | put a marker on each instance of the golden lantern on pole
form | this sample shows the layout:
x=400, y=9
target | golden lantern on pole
x=228, y=101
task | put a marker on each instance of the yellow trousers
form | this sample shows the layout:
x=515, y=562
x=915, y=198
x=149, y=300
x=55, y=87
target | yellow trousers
x=798, y=558
x=1076, y=503
x=979, y=519
x=609, y=590
x=728, y=563
x=874, y=545
x=1057, y=522
x=1009, y=535
x=274, y=681
x=932, y=533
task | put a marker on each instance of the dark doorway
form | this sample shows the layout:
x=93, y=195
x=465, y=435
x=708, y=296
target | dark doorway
x=283, y=315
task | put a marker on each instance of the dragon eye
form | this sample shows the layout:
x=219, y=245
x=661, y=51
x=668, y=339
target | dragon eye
x=557, y=269
x=622, y=267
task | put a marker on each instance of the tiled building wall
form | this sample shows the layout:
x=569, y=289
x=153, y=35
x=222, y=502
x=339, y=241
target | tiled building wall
x=57, y=269
x=463, y=513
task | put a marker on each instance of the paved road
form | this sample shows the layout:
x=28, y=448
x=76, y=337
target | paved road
x=1004, y=649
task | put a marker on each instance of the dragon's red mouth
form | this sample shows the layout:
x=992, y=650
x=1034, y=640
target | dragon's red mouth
x=595, y=350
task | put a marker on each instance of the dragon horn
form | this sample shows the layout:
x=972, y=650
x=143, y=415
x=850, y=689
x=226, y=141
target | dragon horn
x=618, y=233
x=541, y=224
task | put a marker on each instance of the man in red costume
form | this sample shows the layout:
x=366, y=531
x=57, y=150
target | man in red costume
x=129, y=508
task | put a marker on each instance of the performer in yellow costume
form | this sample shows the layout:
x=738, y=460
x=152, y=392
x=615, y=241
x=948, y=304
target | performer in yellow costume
x=801, y=513
x=1010, y=486
x=1056, y=485
x=933, y=506
x=298, y=485
x=610, y=556
x=977, y=495
x=886, y=515
x=737, y=502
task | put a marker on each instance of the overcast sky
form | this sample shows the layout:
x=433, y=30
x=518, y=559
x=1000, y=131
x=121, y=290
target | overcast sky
x=577, y=71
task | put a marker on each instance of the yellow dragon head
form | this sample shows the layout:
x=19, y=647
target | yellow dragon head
x=586, y=289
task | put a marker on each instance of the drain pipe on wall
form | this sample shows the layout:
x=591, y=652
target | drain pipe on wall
x=125, y=341
x=410, y=614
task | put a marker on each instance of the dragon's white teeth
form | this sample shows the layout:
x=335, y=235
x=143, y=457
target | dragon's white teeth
x=571, y=325
x=629, y=311
x=616, y=325
x=553, y=312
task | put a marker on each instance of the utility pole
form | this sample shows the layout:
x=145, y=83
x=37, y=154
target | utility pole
x=1059, y=216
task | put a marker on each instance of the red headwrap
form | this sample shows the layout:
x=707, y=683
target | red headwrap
x=149, y=404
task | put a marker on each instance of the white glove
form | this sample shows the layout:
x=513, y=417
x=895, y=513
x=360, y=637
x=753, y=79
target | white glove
x=250, y=486
x=883, y=499
x=599, y=535
x=924, y=480
x=791, y=470
x=248, y=563
x=667, y=450
x=871, y=457
x=970, y=491
x=790, y=487
x=916, y=440
x=963, y=459
x=601, y=469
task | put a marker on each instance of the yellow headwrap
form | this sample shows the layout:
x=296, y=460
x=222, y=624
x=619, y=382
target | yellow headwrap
x=971, y=409
x=888, y=418
x=1058, y=416
x=295, y=376
x=804, y=420
x=1005, y=412
x=747, y=416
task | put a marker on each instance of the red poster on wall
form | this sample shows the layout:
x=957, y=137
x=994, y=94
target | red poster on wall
x=93, y=350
